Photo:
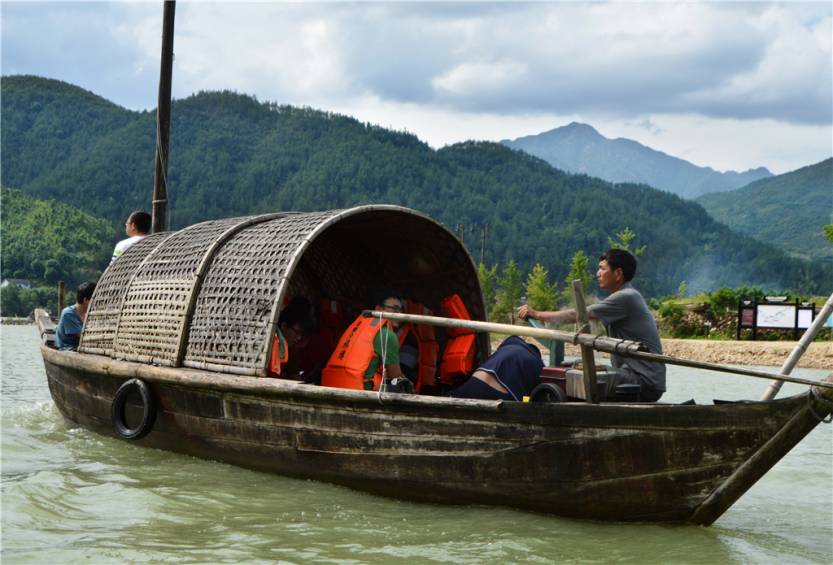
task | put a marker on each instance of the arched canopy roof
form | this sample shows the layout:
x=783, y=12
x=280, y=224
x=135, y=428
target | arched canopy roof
x=209, y=295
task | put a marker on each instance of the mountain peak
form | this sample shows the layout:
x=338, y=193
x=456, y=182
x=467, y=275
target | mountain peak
x=576, y=128
x=579, y=148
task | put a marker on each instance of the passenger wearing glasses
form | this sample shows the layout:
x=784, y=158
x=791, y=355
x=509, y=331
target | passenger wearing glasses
x=368, y=350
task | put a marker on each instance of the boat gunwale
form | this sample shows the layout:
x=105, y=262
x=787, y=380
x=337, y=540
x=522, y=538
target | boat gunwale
x=532, y=413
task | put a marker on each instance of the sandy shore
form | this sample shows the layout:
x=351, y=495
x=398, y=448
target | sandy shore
x=767, y=353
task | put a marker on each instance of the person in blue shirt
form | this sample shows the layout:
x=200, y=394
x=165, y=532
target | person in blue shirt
x=510, y=373
x=68, y=332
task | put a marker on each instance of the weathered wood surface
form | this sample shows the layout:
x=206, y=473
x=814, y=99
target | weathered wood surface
x=806, y=418
x=159, y=210
x=588, y=357
x=46, y=327
x=608, y=462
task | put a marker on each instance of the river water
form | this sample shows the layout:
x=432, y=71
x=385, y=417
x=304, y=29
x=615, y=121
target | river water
x=70, y=496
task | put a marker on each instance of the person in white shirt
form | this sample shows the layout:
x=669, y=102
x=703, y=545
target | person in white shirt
x=137, y=228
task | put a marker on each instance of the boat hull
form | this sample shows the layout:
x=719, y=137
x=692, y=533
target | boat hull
x=609, y=462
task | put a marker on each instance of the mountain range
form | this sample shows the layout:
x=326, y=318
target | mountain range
x=579, y=148
x=790, y=209
x=233, y=155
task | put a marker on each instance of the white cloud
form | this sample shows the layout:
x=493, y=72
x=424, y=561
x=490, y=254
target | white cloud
x=470, y=78
x=757, y=74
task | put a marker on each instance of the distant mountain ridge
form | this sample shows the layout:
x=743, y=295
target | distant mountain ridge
x=789, y=210
x=232, y=155
x=580, y=149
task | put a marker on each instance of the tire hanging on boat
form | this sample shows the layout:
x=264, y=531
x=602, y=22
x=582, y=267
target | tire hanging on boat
x=118, y=409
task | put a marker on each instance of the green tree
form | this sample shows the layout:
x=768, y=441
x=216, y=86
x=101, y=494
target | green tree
x=509, y=293
x=488, y=278
x=540, y=293
x=64, y=144
x=623, y=241
x=682, y=290
x=578, y=271
x=11, y=303
x=828, y=232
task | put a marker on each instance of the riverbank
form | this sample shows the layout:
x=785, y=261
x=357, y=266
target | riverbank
x=16, y=321
x=763, y=353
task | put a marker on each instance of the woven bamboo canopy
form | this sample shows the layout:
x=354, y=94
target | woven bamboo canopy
x=209, y=296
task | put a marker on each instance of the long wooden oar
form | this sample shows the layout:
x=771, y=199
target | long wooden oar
x=600, y=343
x=801, y=347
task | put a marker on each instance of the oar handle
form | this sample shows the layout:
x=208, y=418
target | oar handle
x=602, y=343
x=621, y=347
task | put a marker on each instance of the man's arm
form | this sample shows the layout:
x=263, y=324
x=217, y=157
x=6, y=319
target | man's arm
x=393, y=371
x=388, y=352
x=566, y=316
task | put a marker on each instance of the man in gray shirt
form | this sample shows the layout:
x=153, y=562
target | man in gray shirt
x=625, y=315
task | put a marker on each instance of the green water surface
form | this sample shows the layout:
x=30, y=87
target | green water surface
x=72, y=496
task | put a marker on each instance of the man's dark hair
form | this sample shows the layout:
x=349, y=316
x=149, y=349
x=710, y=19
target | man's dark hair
x=85, y=290
x=141, y=220
x=382, y=294
x=298, y=311
x=620, y=259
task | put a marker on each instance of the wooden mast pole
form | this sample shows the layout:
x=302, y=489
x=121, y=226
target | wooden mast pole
x=163, y=121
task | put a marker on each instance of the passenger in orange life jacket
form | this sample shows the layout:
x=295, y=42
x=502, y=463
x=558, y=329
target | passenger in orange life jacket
x=290, y=331
x=357, y=362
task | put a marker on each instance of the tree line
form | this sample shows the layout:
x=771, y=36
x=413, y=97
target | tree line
x=232, y=155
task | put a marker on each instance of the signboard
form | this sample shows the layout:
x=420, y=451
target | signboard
x=776, y=316
x=805, y=318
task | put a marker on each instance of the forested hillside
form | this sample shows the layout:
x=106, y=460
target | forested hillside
x=232, y=155
x=46, y=241
x=789, y=210
x=579, y=148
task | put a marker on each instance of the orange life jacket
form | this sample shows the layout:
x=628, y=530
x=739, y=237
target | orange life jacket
x=280, y=354
x=427, y=345
x=331, y=322
x=352, y=356
x=458, y=357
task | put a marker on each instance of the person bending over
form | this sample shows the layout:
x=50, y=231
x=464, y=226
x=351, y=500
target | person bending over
x=625, y=315
x=71, y=323
x=510, y=373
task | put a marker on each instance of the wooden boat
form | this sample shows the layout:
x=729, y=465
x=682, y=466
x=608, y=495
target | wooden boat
x=191, y=314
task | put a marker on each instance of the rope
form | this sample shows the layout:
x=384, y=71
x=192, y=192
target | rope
x=382, y=384
x=814, y=396
x=163, y=166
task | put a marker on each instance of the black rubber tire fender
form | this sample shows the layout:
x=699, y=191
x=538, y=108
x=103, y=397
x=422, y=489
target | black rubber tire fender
x=548, y=392
x=117, y=410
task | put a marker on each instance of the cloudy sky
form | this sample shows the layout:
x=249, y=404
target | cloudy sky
x=728, y=85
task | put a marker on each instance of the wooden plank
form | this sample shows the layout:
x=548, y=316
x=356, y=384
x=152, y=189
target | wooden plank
x=588, y=358
x=622, y=462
